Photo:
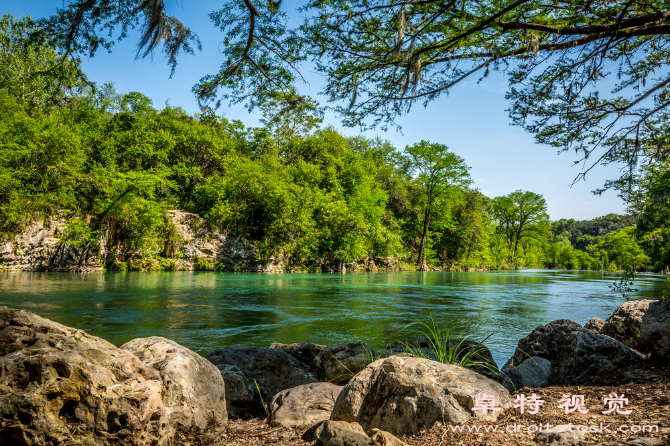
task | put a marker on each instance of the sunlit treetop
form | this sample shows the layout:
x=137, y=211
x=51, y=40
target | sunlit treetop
x=588, y=76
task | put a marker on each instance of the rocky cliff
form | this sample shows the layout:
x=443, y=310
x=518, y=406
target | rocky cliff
x=189, y=245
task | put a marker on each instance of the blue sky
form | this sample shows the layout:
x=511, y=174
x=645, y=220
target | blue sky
x=471, y=120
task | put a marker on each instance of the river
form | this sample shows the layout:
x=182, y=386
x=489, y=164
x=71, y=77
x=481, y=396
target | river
x=207, y=310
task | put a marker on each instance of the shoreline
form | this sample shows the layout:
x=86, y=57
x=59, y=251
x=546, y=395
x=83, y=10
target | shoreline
x=89, y=270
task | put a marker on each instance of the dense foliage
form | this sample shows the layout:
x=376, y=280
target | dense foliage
x=298, y=190
x=585, y=76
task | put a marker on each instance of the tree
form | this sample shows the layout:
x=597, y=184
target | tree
x=520, y=215
x=289, y=116
x=559, y=56
x=624, y=249
x=438, y=171
x=32, y=71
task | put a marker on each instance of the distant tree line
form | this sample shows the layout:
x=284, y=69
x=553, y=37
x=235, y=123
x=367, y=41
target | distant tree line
x=298, y=190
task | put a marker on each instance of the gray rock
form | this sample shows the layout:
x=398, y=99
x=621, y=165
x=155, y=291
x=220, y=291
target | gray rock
x=405, y=395
x=533, y=372
x=304, y=405
x=305, y=353
x=242, y=399
x=624, y=324
x=560, y=438
x=339, y=433
x=243, y=367
x=655, y=328
x=595, y=324
x=194, y=389
x=578, y=355
x=59, y=385
x=338, y=363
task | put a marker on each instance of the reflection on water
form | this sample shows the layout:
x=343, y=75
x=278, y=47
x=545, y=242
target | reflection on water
x=204, y=311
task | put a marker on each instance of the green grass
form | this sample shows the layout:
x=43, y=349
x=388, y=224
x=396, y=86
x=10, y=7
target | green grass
x=265, y=407
x=445, y=346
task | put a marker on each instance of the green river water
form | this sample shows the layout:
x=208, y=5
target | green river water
x=207, y=310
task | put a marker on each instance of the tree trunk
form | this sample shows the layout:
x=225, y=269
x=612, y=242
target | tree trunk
x=84, y=254
x=422, y=247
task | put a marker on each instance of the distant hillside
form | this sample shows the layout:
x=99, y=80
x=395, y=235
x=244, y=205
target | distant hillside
x=581, y=233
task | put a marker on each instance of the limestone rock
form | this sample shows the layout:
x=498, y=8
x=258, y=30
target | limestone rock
x=404, y=395
x=38, y=247
x=578, y=355
x=243, y=367
x=384, y=438
x=655, y=328
x=560, y=438
x=533, y=372
x=624, y=324
x=338, y=363
x=60, y=385
x=303, y=352
x=304, y=405
x=595, y=324
x=340, y=433
x=194, y=388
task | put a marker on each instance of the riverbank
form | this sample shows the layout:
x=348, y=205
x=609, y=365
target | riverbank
x=605, y=383
x=186, y=244
x=648, y=401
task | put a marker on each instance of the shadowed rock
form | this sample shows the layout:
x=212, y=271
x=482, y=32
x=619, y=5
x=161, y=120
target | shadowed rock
x=655, y=328
x=533, y=372
x=242, y=368
x=578, y=355
x=305, y=353
x=338, y=363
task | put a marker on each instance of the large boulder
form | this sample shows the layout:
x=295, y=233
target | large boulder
x=655, y=328
x=533, y=372
x=248, y=370
x=403, y=395
x=194, y=388
x=578, y=355
x=303, y=352
x=624, y=324
x=338, y=363
x=304, y=405
x=59, y=385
